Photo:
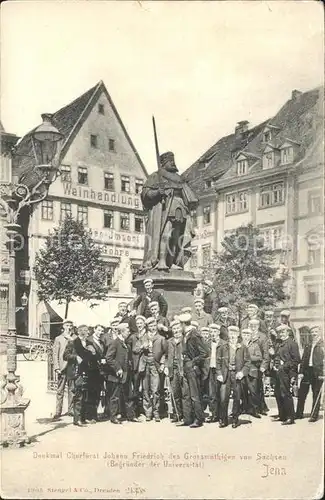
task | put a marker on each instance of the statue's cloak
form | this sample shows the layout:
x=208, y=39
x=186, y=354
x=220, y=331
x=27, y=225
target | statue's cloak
x=158, y=211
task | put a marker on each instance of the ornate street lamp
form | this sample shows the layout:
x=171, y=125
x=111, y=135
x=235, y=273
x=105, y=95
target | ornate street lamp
x=45, y=142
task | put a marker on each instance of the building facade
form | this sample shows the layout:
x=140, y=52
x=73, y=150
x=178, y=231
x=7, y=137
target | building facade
x=271, y=176
x=100, y=184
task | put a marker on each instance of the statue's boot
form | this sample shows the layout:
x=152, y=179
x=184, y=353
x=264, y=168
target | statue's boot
x=161, y=266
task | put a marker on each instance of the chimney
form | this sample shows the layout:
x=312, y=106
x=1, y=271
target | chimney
x=295, y=95
x=241, y=128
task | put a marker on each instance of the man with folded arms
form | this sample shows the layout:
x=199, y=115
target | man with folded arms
x=232, y=365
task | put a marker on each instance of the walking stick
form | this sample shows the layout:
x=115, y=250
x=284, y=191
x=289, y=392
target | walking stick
x=172, y=396
x=317, y=399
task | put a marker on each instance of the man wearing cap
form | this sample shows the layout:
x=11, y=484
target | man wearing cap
x=95, y=375
x=60, y=368
x=167, y=200
x=252, y=312
x=311, y=373
x=152, y=365
x=232, y=365
x=214, y=385
x=149, y=295
x=204, y=319
x=175, y=370
x=107, y=338
x=254, y=378
x=205, y=334
x=286, y=363
x=124, y=316
x=194, y=356
x=210, y=299
x=224, y=321
x=162, y=321
x=119, y=376
x=261, y=338
x=285, y=320
x=80, y=362
x=270, y=322
x=136, y=342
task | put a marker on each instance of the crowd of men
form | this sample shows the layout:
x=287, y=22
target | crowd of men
x=145, y=364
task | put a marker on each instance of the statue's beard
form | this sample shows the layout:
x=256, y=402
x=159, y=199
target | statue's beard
x=171, y=168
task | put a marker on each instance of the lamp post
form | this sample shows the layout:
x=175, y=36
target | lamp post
x=45, y=141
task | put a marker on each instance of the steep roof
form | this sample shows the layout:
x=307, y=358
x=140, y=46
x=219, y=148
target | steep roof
x=68, y=121
x=218, y=159
x=299, y=120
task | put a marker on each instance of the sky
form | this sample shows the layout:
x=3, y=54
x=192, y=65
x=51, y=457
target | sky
x=199, y=67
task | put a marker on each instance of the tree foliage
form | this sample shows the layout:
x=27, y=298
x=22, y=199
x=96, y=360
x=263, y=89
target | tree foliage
x=69, y=267
x=245, y=271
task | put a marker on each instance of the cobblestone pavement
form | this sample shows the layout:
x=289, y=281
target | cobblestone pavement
x=260, y=459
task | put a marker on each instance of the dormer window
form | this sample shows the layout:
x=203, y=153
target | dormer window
x=268, y=160
x=242, y=167
x=287, y=155
x=208, y=184
x=267, y=136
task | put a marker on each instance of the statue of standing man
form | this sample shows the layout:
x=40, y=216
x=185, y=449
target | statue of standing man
x=167, y=201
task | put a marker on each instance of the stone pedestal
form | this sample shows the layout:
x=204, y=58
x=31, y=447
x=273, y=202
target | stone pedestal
x=177, y=286
x=13, y=424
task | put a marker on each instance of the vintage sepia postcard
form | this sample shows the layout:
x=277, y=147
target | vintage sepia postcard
x=162, y=250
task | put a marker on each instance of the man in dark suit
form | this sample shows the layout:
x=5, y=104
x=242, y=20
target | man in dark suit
x=106, y=339
x=204, y=331
x=175, y=370
x=149, y=295
x=311, y=373
x=60, y=368
x=95, y=377
x=251, y=340
x=79, y=362
x=286, y=361
x=194, y=354
x=119, y=375
x=210, y=299
x=152, y=364
x=232, y=365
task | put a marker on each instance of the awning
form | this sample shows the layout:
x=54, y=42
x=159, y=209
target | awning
x=81, y=313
